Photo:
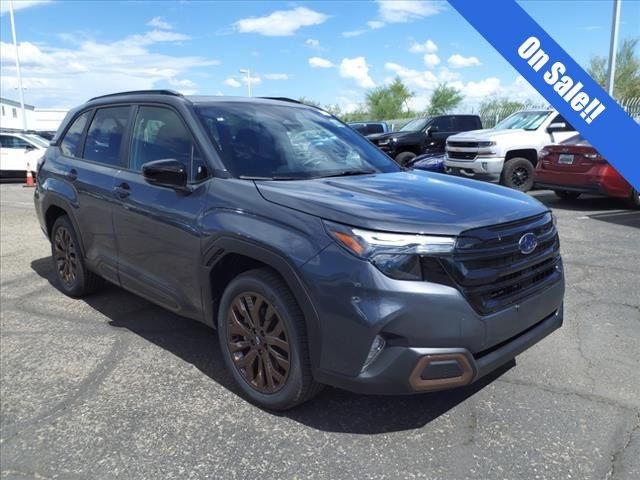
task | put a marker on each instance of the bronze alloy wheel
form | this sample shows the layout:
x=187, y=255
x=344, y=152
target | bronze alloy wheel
x=65, y=256
x=258, y=342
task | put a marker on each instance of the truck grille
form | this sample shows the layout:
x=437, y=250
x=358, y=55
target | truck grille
x=461, y=155
x=491, y=272
x=462, y=144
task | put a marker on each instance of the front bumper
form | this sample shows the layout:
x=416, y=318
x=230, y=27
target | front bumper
x=356, y=302
x=406, y=370
x=480, y=168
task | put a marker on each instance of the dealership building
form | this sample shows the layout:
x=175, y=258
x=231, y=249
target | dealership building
x=38, y=119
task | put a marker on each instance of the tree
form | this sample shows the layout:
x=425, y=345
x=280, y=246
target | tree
x=627, y=77
x=389, y=102
x=444, y=99
x=308, y=101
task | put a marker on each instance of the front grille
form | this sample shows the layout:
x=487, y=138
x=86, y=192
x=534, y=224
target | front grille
x=461, y=155
x=463, y=144
x=491, y=272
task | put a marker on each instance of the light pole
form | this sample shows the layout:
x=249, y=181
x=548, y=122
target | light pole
x=248, y=73
x=15, y=45
x=613, y=47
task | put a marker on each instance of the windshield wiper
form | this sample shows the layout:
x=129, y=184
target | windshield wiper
x=276, y=177
x=346, y=173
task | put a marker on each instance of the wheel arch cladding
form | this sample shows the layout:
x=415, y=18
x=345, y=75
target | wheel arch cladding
x=240, y=255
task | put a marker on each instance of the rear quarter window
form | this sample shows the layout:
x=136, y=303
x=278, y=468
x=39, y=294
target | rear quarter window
x=71, y=141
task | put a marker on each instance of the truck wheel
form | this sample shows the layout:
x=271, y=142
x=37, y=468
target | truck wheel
x=74, y=279
x=517, y=173
x=634, y=199
x=404, y=158
x=565, y=195
x=264, y=342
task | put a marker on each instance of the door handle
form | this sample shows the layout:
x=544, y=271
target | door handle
x=71, y=175
x=123, y=190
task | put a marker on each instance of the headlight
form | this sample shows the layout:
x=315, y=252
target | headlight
x=486, y=144
x=394, y=254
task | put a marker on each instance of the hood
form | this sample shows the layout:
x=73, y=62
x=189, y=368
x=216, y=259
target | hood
x=406, y=202
x=484, y=134
x=380, y=136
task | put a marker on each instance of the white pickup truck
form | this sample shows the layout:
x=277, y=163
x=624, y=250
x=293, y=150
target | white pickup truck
x=507, y=153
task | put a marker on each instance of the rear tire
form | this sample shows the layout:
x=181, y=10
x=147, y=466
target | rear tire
x=263, y=340
x=72, y=275
x=565, y=195
x=634, y=200
x=517, y=173
x=404, y=158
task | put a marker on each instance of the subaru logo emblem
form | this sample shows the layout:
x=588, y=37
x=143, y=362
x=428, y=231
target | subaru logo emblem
x=528, y=243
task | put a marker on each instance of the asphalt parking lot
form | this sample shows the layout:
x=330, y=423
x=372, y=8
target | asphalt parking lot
x=114, y=387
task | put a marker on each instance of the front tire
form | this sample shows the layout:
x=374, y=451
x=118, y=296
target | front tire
x=404, y=158
x=565, y=195
x=263, y=340
x=517, y=173
x=72, y=275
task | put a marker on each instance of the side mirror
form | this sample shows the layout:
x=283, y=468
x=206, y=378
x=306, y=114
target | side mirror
x=166, y=173
x=432, y=129
x=556, y=127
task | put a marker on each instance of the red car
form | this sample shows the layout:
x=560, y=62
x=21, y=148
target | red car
x=574, y=167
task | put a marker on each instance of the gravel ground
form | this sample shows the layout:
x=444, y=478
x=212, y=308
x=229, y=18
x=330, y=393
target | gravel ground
x=114, y=387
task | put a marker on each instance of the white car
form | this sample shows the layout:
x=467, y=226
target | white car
x=19, y=151
x=507, y=153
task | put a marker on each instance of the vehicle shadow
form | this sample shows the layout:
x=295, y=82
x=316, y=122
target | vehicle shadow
x=603, y=209
x=585, y=203
x=333, y=410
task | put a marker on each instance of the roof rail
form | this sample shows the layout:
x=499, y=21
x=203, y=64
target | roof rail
x=139, y=92
x=284, y=99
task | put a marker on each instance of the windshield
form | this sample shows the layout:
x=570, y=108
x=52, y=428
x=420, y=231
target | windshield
x=38, y=140
x=288, y=142
x=524, y=120
x=416, y=125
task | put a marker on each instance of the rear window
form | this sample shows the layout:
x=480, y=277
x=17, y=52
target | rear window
x=73, y=137
x=576, y=140
x=374, y=128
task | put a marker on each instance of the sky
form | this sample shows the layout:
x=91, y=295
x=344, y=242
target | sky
x=331, y=52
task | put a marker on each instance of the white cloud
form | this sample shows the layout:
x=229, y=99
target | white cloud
x=20, y=5
x=312, y=42
x=317, y=62
x=254, y=80
x=401, y=11
x=281, y=23
x=427, y=47
x=358, y=70
x=184, y=86
x=431, y=60
x=478, y=90
x=158, y=22
x=276, y=76
x=414, y=78
x=232, y=82
x=353, y=33
x=375, y=24
x=63, y=77
x=458, y=61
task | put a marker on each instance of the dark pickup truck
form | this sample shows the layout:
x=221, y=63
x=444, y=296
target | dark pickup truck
x=423, y=135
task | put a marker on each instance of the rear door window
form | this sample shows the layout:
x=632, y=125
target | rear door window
x=104, y=137
x=374, y=128
x=159, y=133
x=464, y=124
x=71, y=141
x=443, y=124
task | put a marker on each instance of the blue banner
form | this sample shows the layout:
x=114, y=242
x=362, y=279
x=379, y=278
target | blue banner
x=559, y=79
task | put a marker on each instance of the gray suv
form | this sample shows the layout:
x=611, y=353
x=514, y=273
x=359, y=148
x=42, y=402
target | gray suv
x=316, y=257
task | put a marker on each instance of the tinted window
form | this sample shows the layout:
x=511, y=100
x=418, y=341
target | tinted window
x=73, y=137
x=9, y=141
x=560, y=119
x=443, y=124
x=464, y=124
x=159, y=133
x=270, y=141
x=104, y=136
x=374, y=128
